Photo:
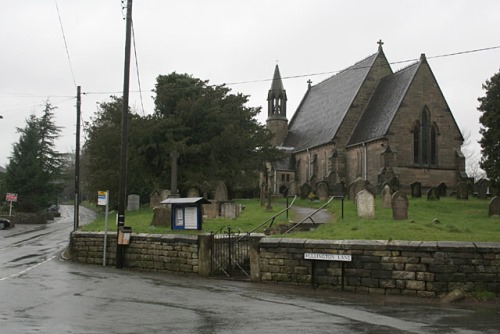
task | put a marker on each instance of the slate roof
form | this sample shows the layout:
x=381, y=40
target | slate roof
x=324, y=107
x=383, y=105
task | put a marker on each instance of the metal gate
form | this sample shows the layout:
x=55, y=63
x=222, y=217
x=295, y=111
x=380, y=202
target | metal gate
x=230, y=254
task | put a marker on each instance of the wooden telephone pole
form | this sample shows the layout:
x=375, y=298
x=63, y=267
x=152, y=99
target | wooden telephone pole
x=122, y=191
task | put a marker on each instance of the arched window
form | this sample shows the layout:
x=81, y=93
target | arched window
x=425, y=140
x=416, y=143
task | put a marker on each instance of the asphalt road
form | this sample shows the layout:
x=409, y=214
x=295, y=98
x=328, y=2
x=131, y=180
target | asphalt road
x=41, y=293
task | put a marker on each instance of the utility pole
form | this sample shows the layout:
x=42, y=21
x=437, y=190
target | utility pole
x=122, y=191
x=77, y=158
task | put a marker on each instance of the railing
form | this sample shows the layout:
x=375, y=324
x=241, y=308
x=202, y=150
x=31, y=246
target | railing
x=312, y=214
x=270, y=219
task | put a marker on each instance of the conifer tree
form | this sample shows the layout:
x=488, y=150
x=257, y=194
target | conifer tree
x=34, y=169
x=490, y=120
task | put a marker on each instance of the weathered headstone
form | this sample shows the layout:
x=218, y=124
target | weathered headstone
x=482, y=188
x=164, y=194
x=305, y=190
x=359, y=184
x=416, y=189
x=462, y=190
x=386, y=197
x=193, y=192
x=154, y=199
x=221, y=193
x=432, y=194
x=322, y=191
x=494, y=207
x=399, y=206
x=161, y=216
x=394, y=184
x=442, y=189
x=133, y=202
x=365, y=204
x=230, y=210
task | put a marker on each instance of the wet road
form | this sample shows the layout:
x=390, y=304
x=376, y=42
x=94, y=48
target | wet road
x=40, y=293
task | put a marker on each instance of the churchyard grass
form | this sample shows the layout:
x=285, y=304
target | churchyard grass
x=445, y=220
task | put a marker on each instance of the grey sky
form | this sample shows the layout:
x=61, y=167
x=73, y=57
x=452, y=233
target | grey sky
x=231, y=41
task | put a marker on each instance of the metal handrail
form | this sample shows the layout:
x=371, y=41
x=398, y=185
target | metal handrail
x=312, y=214
x=269, y=220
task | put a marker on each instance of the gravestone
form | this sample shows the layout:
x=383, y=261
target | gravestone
x=193, y=192
x=432, y=194
x=164, y=194
x=394, y=184
x=494, y=207
x=322, y=191
x=221, y=193
x=399, y=206
x=230, y=210
x=365, y=204
x=416, y=189
x=305, y=190
x=133, y=202
x=154, y=199
x=357, y=185
x=462, y=190
x=161, y=216
x=482, y=188
x=386, y=197
x=442, y=189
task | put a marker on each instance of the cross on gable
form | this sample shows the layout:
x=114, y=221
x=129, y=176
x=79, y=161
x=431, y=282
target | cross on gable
x=380, y=43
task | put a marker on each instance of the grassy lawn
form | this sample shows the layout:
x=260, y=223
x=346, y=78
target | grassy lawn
x=446, y=219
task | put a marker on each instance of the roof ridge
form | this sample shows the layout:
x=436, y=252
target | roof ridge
x=350, y=67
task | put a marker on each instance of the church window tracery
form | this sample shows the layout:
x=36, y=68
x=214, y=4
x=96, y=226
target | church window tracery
x=425, y=140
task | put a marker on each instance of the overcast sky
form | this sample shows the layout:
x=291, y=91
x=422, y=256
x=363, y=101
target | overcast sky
x=230, y=41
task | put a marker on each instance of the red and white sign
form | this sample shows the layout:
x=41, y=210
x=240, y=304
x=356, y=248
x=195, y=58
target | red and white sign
x=11, y=197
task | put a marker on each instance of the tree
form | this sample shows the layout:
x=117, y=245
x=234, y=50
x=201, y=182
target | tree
x=34, y=169
x=100, y=159
x=490, y=120
x=216, y=134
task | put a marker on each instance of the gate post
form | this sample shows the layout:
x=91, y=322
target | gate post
x=205, y=241
x=254, y=254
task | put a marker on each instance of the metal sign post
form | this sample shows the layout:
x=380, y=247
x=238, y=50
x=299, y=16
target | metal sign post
x=11, y=197
x=102, y=199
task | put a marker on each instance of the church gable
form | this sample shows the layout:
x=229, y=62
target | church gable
x=424, y=131
x=383, y=106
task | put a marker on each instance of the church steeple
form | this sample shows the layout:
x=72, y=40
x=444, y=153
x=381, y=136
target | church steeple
x=276, y=109
x=276, y=98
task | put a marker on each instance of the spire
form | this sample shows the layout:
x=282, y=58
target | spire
x=277, y=84
x=276, y=96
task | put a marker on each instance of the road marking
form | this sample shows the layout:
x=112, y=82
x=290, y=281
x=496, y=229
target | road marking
x=27, y=269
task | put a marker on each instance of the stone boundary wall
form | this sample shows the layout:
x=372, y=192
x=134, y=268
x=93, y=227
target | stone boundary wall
x=147, y=252
x=427, y=269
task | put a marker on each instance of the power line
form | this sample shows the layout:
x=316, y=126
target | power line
x=65, y=43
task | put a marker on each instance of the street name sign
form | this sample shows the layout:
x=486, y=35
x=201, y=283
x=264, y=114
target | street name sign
x=328, y=257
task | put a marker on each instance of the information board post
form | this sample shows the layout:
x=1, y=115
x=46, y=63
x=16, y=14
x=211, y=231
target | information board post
x=102, y=199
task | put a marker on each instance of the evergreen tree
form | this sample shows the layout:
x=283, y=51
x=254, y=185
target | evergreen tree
x=490, y=120
x=34, y=169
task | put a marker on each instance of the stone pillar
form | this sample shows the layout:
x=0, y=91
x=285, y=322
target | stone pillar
x=254, y=254
x=205, y=254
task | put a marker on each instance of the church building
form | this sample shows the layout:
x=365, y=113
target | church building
x=366, y=122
